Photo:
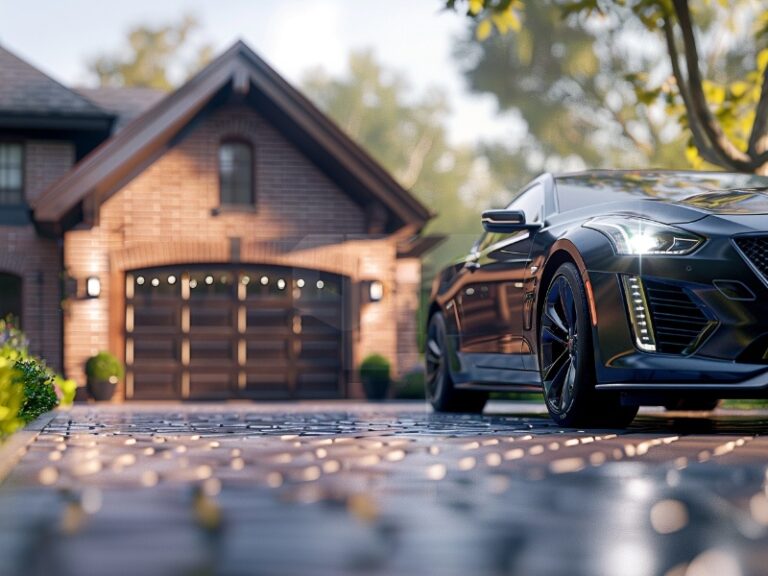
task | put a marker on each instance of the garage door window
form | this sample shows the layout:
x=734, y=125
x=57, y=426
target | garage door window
x=236, y=173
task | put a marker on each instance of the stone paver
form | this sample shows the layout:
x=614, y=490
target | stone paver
x=352, y=488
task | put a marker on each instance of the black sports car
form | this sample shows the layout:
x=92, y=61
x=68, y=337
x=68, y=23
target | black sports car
x=609, y=290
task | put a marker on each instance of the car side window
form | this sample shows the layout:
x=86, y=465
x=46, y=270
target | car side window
x=531, y=202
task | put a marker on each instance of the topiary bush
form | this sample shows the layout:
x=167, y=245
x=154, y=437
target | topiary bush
x=374, y=374
x=103, y=366
x=39, y=392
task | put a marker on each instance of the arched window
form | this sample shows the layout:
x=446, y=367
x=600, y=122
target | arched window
x=10, y=296
x=236, y=173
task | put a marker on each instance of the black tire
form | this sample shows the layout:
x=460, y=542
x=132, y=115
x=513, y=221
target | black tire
x=692, y=404
x=439, y=384
x=566, y=359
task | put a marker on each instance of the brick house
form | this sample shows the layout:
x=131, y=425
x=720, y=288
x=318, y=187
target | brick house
x=226, y=240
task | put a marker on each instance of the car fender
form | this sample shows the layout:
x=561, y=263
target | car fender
x=586, y=249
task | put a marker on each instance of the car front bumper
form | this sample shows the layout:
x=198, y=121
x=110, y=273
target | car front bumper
x=730, y=359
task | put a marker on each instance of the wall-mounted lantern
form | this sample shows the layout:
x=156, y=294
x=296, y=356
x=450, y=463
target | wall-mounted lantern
x=373, y=290
x=92, y=287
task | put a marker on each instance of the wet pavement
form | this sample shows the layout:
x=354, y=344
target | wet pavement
x=354, y=488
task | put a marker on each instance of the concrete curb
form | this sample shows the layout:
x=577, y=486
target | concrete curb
x=14, y=448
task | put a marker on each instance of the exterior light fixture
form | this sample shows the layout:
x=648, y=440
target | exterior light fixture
x=375, y=290
x=92, y=287
x=639, y=314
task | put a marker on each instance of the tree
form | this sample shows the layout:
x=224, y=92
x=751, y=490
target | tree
x=152, y=56
x=408, y=137
x=726, y=119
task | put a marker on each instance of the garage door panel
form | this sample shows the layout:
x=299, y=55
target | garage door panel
x=318, y=381
x=212, y=384
x=267, y=350
x=156, y=384
x=153, y=348
x=203, y=349
x=212, y=315
x=267, y=319
x=287, y=324
x=308, y=362
x=156, y=317
x=267, y=384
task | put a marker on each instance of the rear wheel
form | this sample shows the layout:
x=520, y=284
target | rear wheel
x=440, y=390
x=566, y=358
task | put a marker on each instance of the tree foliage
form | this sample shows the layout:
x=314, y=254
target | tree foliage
x=713, y=77
x=407, y=135
x=151, y=56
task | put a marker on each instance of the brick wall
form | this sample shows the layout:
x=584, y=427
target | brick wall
x=165, y=215
x=44, y=162
x=35, y=259
x=408, y=283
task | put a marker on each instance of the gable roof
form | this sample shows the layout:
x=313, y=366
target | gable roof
x=25, y=90
x=241, y=70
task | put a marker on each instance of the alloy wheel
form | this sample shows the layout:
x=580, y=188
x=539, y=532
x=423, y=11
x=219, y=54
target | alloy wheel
x=560, y=350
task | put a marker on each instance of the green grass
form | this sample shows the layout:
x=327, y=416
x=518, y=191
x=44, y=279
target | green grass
x=744, y=404
x=518, y=396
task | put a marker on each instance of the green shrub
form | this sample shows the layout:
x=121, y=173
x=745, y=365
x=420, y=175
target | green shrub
x=411, y=386
x=65, y=389
x=11, y=395
x=375, y=368
x=103, y=366
x=12, y=338
x=39, y=393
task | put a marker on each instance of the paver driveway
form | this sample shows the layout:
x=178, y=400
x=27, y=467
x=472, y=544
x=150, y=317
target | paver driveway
x=351, y=488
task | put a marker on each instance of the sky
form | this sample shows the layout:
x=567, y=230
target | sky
x=412, y=37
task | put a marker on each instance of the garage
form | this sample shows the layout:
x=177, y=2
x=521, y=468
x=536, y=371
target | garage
x=219, y=332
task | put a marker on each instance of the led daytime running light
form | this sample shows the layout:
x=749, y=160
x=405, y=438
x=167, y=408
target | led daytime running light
x=639, y=314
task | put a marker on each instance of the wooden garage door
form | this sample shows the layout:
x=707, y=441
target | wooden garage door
x=213, y=332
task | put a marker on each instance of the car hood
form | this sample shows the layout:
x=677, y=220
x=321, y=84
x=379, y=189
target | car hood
x=744, y=207
x=747, y=201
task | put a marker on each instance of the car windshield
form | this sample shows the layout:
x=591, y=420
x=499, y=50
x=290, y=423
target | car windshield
x=598, y=187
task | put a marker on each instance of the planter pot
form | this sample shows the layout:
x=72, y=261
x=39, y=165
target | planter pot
x=102, y=390
x=375, y=388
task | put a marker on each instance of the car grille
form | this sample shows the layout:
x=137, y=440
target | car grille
x=678, y=322
x=755, y=250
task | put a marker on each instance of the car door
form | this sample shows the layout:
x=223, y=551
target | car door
x=491, y=302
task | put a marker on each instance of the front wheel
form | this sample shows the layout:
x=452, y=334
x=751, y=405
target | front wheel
x=439, y=386
x=566, y=359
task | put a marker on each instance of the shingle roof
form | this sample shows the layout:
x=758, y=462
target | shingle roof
x=127, y=102
x=26, y=90
x=238, y=70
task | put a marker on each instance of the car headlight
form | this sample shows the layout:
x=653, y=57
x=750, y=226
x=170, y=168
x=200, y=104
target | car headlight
x=631, y=235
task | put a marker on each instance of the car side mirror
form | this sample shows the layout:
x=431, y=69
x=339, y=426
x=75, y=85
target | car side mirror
x=506, y=221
